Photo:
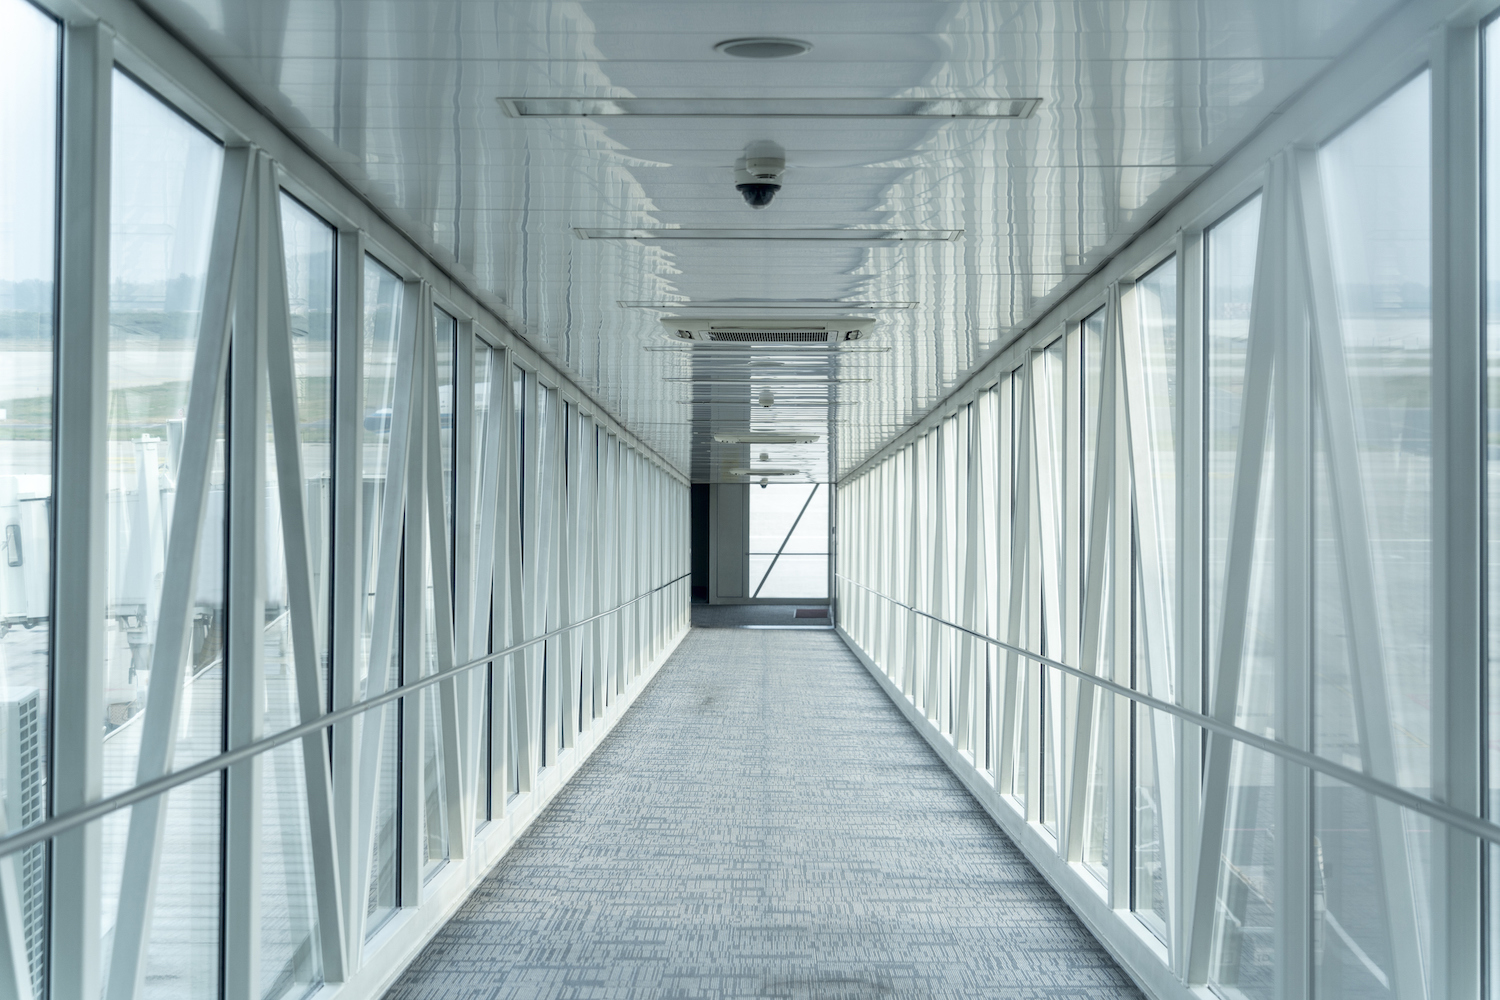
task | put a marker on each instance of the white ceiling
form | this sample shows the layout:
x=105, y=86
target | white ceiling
x=1139, y=99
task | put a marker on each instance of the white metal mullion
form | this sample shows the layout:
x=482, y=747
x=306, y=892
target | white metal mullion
x=80, y=535
x=1071, y=587
x=1154, y=599
x=533, y=596
x=175, y=610
x=582, y=493
x=1351, y=527
x=1020, y=563
x=1096, y=606
x=506, y=574
x=348, y=576
x=989, y=527
x=465, y=554
x=1292, y=499
x=550, y=514
x=1044, y=444
x=1032, y=674
x=1458, y=477
x=244, y=668
x=922, y=486
x=483, y=594
x=410, y=717
x=939, y=639
x=1190, y=607
x=1049, y=555
x=970, y=547
x=607, y=539
x=516, y=470
x=571, y=644
x=450, y=735
x=301, y=595
x=1266, y=311
x=387, y=594
x=597, y=584
x=1119, y=609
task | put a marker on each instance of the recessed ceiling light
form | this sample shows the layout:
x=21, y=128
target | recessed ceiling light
x=842, y=235
x=763, y=48
x=769, y=107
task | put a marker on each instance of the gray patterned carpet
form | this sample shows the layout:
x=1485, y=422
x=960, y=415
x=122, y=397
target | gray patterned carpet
x=763, y=823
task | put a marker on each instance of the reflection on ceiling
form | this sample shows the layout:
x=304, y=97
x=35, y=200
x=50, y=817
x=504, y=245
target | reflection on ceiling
x=499, y=133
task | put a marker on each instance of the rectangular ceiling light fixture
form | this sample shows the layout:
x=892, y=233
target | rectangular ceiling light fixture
x=771, y=380
x=758, y=305
x=843, y=235
x=763, y=437
x=770, y=107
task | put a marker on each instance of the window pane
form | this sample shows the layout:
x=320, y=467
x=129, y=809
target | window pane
x=164, y=183
x=1154, y=475
x=434, y=812
x=1097, y=805
x=802, y=569
x=382, y=323
x=310, y=247
x=28, y=223
x=484, y=453
x=290, y=958
x=1244, y=924
x=1372, y=507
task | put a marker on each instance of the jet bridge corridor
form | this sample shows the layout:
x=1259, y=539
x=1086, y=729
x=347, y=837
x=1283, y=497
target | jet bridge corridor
x=695, y=498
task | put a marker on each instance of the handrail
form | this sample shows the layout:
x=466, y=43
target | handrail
x=1474, y=825
x=46, y=830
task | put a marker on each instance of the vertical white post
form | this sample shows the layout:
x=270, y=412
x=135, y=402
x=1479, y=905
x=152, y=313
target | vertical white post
x=349, y=586
x=245, y=687
x=1459, y=456
x=80, y=538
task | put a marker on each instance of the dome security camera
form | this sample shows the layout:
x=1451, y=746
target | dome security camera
x=758, y=177
x=764, y=483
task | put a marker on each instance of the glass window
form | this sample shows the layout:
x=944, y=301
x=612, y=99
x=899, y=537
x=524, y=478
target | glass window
x=28, y=226
x=1096, y=823
x=789, y=541
x=382, y=324
x=1152, y=396
x=290, y=958
x=434, y=813
x=1372, y=671
x=484, y=454
x=164, y=183
x=1243, y=955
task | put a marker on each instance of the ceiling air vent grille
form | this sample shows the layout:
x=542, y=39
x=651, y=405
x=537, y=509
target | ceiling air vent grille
x=768, y=336
x=826, y=332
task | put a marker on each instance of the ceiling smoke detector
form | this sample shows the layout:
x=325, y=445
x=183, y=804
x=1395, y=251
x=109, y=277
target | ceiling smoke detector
x=820, y=332
x=763, y=48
